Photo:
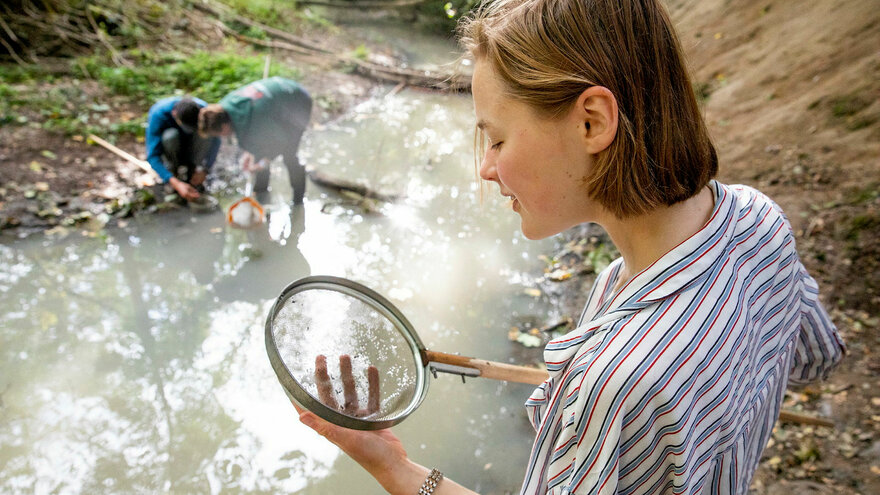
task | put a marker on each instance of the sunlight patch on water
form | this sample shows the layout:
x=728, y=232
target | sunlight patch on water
x=270, y=437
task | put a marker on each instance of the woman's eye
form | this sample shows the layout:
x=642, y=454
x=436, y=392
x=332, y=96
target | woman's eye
x=497, y=145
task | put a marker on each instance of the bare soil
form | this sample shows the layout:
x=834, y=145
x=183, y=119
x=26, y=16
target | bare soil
x=792, y=98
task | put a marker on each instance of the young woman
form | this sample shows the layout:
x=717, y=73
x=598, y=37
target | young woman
x=673, y=378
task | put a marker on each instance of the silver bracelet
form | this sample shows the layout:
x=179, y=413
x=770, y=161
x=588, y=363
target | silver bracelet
x=431, y=482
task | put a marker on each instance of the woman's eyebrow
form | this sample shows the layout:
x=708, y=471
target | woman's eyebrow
x=482, y=124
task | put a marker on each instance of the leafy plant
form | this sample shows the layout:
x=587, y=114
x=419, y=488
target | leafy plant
x=207, y=75
x=269, y=12
x=360, y=53
x=442, y=16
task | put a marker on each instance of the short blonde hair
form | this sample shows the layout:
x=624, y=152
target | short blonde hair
x=547, y=52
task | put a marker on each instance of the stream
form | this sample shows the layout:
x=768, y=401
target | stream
x=133, y=360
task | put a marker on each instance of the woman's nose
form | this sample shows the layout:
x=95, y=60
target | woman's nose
x=487, y=168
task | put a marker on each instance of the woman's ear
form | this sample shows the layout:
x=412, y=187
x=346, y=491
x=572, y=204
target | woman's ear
x=596, y=111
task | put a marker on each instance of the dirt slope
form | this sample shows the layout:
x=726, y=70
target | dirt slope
x=793, y=102
x=792, y=97
x=791, y=93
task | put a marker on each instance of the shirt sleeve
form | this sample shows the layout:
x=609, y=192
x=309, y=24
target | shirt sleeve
x=818, y=348
x=585, y=456
x=153, y=140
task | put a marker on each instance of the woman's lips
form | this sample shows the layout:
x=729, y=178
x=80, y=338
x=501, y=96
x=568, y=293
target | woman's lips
x=513, y=202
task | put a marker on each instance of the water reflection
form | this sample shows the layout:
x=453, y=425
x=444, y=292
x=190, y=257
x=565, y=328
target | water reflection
x=104, y=386
x=135, y=363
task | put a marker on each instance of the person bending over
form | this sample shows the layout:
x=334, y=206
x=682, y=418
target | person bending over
x=180, y=156
x=268, y=118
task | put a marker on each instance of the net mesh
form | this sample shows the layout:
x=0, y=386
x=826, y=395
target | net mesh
x=323, y=322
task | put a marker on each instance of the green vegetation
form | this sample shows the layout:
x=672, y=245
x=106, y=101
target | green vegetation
x=283, y=15
x=864, y=195
x=63, y=106
x=247, y=31
x=274, y=13
x=315, y=19
x=868, y=222
x=442, y=16
x=849, y=108
x=702, y=90
x=360, y=53
x=18, y=74
x=862, y=122
x=206, y=75
x=848, y=105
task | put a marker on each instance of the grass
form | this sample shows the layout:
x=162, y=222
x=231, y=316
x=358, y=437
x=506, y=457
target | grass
x=206, y=75
x=702, y=90
x=274, y=13
x=18, y=74
x=849, y=109
x=864, y=195
x=868, y=222
x=60, y=105
x=848, y=105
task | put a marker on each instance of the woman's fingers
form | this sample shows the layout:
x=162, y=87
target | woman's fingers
x=351, y=404
x=349, y=391
x=325, y=386
x=373, y=385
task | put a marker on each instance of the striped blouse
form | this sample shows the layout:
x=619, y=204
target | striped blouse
x=672, y=385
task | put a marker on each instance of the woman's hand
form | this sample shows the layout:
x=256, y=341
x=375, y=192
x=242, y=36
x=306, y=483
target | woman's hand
x=380, y=452
x=377, y=451
x=351, y=406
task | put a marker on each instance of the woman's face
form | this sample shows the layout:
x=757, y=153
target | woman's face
x=540, y=164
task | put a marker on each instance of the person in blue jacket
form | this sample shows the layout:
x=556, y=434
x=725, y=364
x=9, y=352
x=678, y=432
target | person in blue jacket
x=179, y=155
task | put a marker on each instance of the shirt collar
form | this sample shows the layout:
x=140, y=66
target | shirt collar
x=682, y=266
x=686, y=263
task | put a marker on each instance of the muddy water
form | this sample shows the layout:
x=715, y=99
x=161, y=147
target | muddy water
x=133, y=361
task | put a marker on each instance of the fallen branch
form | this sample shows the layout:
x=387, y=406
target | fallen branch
x=338, y=184
x=411, y=77
x=14, y=39
x=289, y=42
x=224, y=29
x=793, y=417
x=358, y=4
x=124, y=154
x=64, y=28
x=221, y=12
x=114, y=55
